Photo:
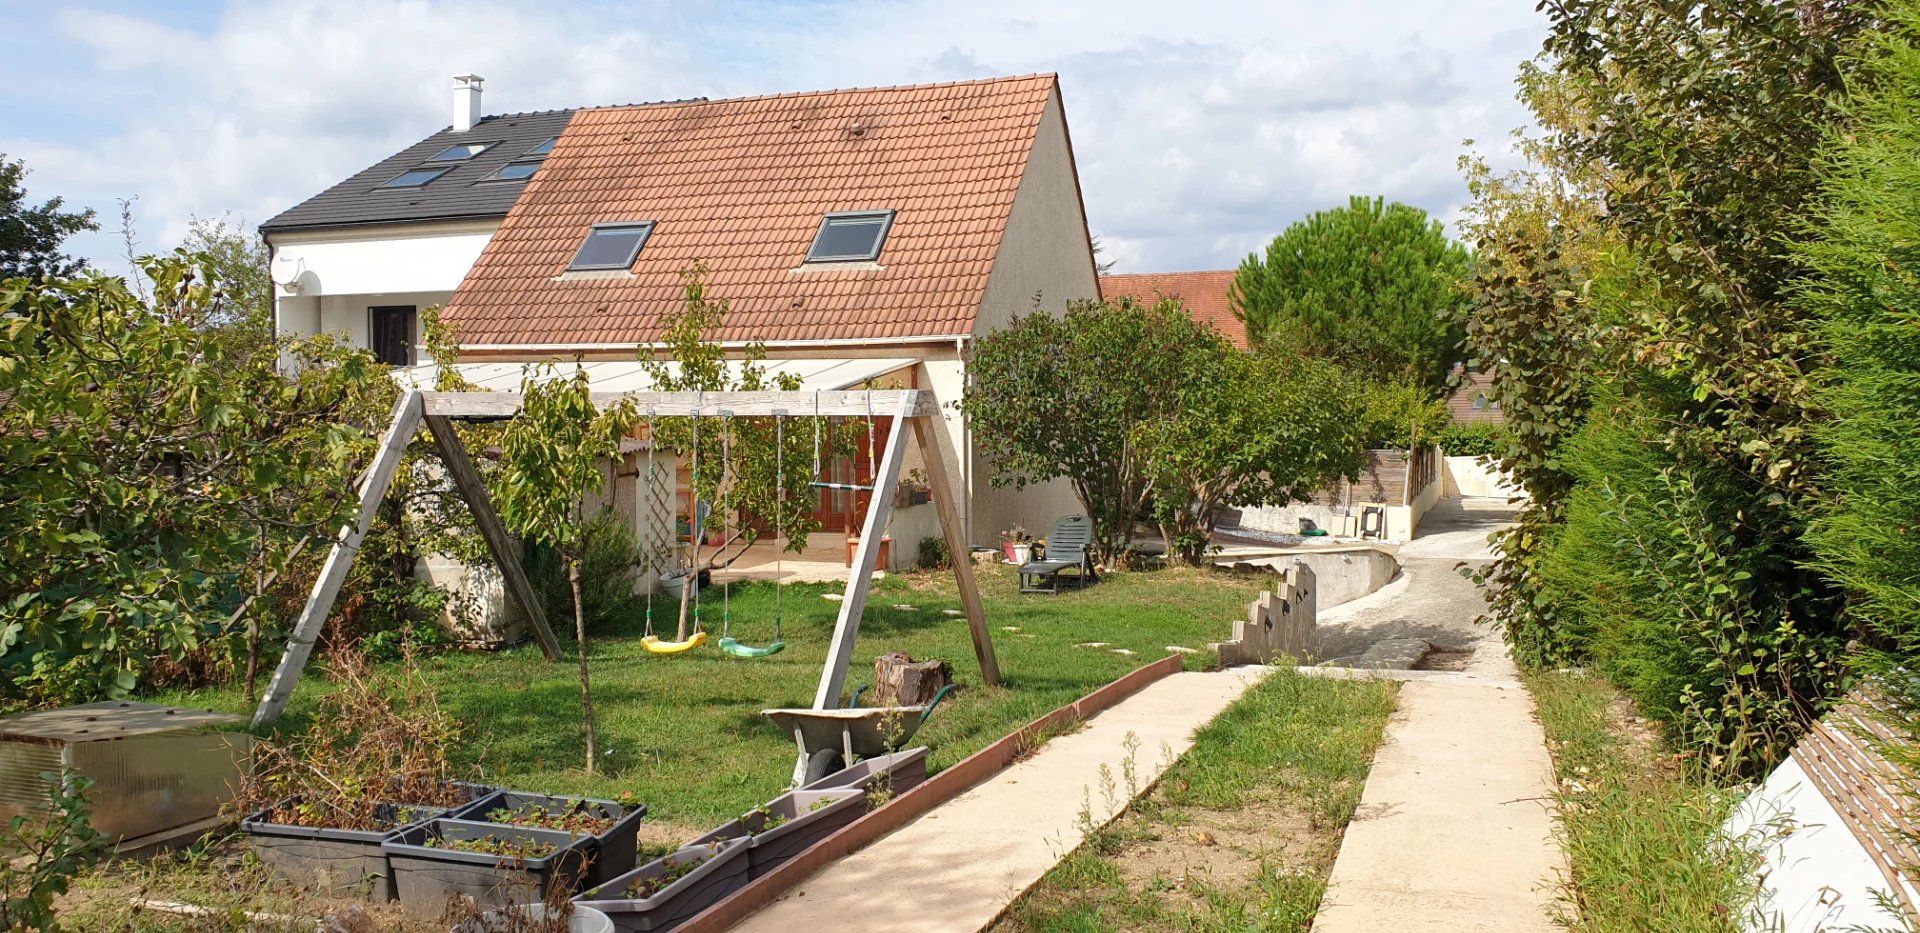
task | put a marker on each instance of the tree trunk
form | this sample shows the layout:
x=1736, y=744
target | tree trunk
x=580, y=648
x=253, y=640
x=899, y=680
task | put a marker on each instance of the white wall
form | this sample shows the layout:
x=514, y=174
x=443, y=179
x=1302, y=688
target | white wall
x=326, y=281
x=1817, y=875
x=1045, y=253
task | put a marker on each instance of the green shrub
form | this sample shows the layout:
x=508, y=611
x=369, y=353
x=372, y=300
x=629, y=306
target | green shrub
x=1653, y=586
x=39, y=855
x=933, y=553
x=607, y=565
x=1474, y=439
x=1393, y=414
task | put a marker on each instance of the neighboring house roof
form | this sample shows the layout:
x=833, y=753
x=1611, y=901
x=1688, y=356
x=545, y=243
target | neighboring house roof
x=460, y=194
x=1203, y=294
x=742, y=185
x=1473, y=400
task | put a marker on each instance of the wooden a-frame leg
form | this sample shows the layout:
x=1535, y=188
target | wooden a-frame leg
x=846, y=629
x=406, y=419
x=466, y=478
x=932, y=438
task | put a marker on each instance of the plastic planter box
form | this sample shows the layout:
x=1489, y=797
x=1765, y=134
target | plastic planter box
x=426, y=876
x=804, y=816
x=340, y=862
x=611, y=852
x=722, y=870
x=900, y=771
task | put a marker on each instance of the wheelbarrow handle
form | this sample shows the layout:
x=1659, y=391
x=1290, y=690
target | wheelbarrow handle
x=933, y=703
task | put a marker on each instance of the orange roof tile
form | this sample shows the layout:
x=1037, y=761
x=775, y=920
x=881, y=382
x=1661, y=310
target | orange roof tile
x=741, y=185
x=1204, y=294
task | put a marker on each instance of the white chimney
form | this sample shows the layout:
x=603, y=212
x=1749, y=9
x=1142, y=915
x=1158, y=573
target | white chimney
x=466, y=102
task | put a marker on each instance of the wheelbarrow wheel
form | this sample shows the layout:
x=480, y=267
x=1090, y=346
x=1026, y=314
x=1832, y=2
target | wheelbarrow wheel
x=822, y=763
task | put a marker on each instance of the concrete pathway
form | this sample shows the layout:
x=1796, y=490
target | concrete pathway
x=959, y=866
x=1454, y=830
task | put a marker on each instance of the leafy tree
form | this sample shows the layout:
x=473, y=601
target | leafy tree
x=740, y=457
x=30, y=236
x=1067, y=397
x=149, y=480
x=1248, y=430
x=1395, y=416
x=1640, y=269
x=1373, y=286
x=555, y=449
x=1866, y=299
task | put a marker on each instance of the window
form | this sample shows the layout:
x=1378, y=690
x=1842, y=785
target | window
x=514, y=171
x=853, y=236
x=542, y=149
x=390, y=334
x=414, y=177
x=461, y=152
x=611, y=246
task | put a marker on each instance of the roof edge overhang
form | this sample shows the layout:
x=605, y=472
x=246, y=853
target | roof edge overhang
x=726, y=344
x=268, y=230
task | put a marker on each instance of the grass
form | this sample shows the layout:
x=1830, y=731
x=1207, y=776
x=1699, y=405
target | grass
x=1240, y=833
x=684, y=733
x=1642, y=836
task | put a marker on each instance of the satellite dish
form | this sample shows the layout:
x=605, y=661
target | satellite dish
x=286, y=271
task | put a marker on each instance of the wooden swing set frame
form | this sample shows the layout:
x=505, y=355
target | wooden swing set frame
x=438, y=410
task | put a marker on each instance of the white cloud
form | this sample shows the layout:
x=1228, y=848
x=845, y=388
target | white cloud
x=1200, y=129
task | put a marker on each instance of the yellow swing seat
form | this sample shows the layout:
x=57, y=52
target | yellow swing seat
x=657, y=645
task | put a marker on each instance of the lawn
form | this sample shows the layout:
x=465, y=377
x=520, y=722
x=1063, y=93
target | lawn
x=1241, y=833
x=684, y=733
x=1642, y=835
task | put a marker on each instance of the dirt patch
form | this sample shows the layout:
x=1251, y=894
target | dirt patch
x=1213, y=848
x=666, y=837
x=1445, y=659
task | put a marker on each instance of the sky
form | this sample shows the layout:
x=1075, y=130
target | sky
x=1201, y=129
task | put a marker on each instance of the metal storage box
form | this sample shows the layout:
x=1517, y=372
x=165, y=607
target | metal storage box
x=154, y=768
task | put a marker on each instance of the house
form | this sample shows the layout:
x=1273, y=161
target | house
x=1205, y=295
x=863, y=237
x=1472, y=399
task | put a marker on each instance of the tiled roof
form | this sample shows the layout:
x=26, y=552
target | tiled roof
x=1204, y=294
x=460, y=194
x=741, y=186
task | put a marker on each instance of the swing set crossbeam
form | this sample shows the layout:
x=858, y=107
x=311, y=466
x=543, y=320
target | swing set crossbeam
x=849, y=487
x=836, y=404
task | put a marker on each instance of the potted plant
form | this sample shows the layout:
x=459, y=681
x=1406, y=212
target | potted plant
x=544, y=917
x=788, y=825
x=1017, y=544
x=374, y=763
x=663, y=893
x=613, y=827
x=879, y=777
x=912, y=490
x=443, y=860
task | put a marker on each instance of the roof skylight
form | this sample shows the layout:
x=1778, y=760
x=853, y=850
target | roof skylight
x=611, y=246
x=414, y=177
x=461, y=152
x=542, y=149
x=850, y=236
x=514, y=171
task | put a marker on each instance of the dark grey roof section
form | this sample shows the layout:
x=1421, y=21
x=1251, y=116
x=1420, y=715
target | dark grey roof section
x=460, y=194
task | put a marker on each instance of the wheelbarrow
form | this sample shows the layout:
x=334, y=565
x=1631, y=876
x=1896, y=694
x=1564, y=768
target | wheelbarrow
x=831, y=739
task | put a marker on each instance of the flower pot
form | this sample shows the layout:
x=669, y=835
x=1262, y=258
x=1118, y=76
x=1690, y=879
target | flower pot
x=610, y=850
x=582, y=920
x=340, y=862
x=899, y=771
x=881, y=561
x=426, y=876
x=1018, y=552
x=804, y=817
x=721, y=870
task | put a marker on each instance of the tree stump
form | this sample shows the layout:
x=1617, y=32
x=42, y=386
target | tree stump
x=899, y=680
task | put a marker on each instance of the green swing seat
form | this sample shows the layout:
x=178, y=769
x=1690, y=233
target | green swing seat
x=739, y=650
